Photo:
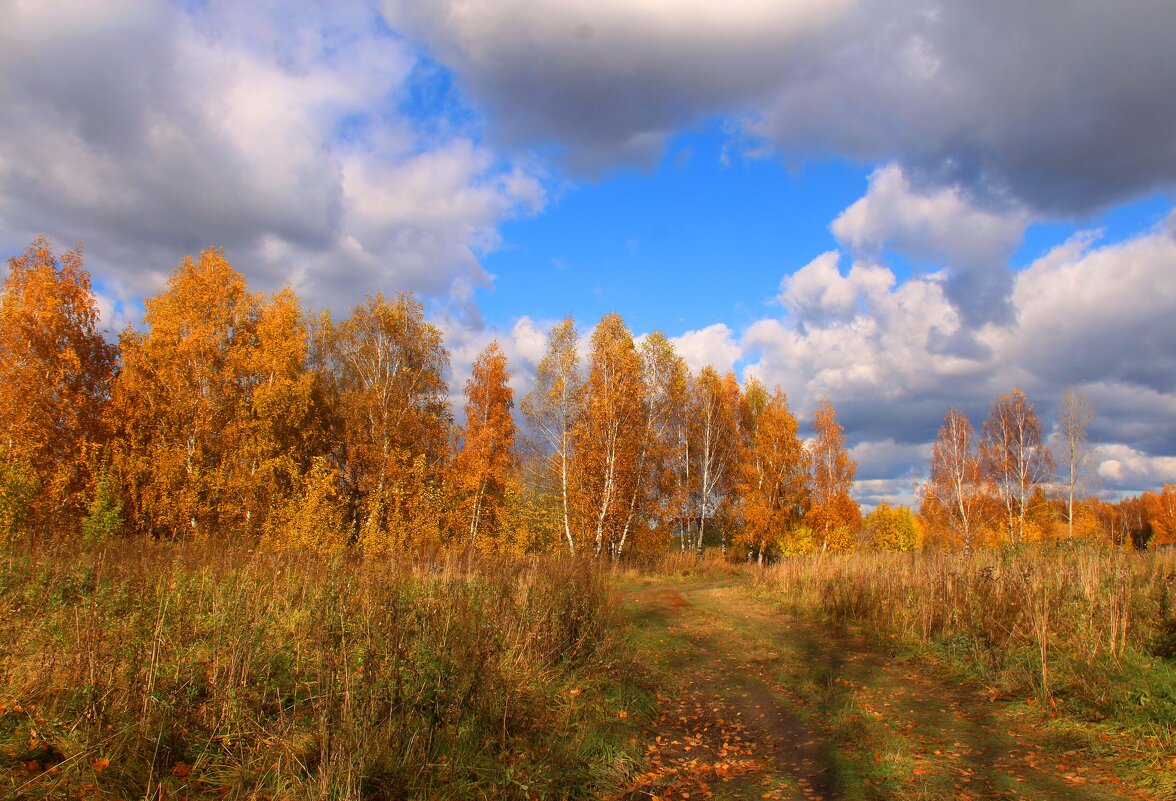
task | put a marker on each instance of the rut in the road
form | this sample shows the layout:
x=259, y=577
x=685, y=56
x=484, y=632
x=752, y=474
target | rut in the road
x=765, y=706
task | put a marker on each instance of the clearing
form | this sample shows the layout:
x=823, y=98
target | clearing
x=757, y=703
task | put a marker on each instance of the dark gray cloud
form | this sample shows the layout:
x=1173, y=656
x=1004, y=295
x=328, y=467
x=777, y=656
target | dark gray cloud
x=1060, y=105
x=608, y=81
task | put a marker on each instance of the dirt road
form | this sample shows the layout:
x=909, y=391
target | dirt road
x=761, y=705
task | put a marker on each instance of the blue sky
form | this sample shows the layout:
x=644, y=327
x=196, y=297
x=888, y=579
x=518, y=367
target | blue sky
x=675, y=246
x=901, y=207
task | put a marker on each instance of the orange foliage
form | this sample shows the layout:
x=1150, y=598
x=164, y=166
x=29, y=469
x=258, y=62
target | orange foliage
x=552, y=410
x=835, y=517
x=1015, y=459
x=55, y=374
x=1162, y=514
x=773, y=476
x=952, y=498
x=486, y=468
x=713, y=443
x=228, y=418
x=383, y=372
x=181, y=404
x=610, y=435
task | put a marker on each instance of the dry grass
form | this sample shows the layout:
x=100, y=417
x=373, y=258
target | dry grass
x=161, y=671
x=1082, y=632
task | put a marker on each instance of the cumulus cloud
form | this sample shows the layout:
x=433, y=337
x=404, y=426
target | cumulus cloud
x=1096, y=316
x=1122, y=465
x=272, y=130
x=714, y=345
x=819, y=293
x=940, y=226
x=1061, y=106
x=1101, y=314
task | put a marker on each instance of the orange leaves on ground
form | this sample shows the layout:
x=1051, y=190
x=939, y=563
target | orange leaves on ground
x=696, y=748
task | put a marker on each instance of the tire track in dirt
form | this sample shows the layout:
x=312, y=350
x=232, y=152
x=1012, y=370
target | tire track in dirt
x=761, y=705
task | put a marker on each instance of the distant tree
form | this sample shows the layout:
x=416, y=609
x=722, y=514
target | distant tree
x=383, y=368
x=181, y=404
x=486, y=467
x=891, y=528
x=1161, y=508
x=713, y=447
x=773, y=476
x=956, y=485
x=552, y=410
x=834, y=517
x=1014, y=458
x=1076, y=416
x=55, y=377
x=611, y=433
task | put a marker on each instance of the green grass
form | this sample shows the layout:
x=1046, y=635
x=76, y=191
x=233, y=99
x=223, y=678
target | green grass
x=216, y=672
x=1068, y=634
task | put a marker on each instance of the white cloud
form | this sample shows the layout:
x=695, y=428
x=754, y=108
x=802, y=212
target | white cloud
x=713, y=345
x=935, y=225
x=272, y=130
x=941, y=226
x=1096, y=317
x=818, y=292
x=1100, y=314
x=1121, y=465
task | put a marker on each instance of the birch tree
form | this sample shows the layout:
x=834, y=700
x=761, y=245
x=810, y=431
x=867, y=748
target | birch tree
x=552, y=412
x=612, y=434
x=1014, y=457
x=956, y=481
x=1076, y=416
x=664, y=378
x=835, y=516
x=773, y=481
x=713, y=433
x=55, y=377
x=181, y=403
x=384, y=367
x=486, y=466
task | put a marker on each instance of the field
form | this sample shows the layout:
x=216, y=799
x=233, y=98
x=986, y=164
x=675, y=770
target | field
x=169, y=671
x=164, y=672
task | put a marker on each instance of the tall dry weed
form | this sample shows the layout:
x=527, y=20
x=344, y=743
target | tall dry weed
x=199, y=670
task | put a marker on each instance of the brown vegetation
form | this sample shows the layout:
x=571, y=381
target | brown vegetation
x=189, y=671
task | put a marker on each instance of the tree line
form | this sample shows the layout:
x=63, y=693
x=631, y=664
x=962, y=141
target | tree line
x=235, y=416
x=1005, y=486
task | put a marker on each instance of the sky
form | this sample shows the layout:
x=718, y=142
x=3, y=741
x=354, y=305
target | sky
x=898, y=205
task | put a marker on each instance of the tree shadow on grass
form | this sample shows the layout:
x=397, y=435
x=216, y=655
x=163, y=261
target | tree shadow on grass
x=828, y=715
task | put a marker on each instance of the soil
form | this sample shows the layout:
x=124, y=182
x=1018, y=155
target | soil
x=760, y=704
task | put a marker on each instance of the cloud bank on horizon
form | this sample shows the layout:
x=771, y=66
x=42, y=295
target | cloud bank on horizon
x=367, y=146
